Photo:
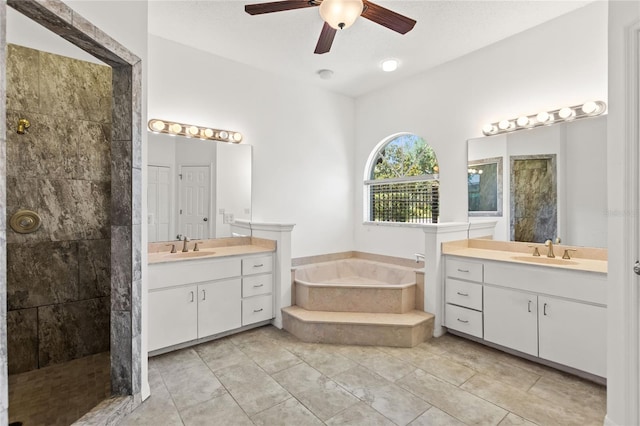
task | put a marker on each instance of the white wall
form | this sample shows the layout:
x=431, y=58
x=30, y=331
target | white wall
x=562, y=62
x=302, y=138
x=623, y=360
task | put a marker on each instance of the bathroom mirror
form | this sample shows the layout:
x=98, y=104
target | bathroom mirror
x=553, y=182
x=485, y=187
x=196, y=188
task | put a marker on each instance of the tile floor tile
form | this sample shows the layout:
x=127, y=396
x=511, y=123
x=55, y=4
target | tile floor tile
x=515, y=420
x=252, y=388
x=269, y=355
x=526, y=405
x=434, y=416
x=289, y=412
x=395, y=403
x=218, y=355
x=455, y=401
x=322, y=357
x=193, y=385
x=360, y=381
x=222, y=410
x=359, y=414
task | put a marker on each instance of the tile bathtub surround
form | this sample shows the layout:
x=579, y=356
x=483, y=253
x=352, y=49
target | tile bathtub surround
x=58, y=278
x=266, y=376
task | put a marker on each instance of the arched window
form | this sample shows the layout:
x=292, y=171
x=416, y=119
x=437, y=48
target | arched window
x=401, y=181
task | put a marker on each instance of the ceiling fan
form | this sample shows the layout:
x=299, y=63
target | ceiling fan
x=338, y=14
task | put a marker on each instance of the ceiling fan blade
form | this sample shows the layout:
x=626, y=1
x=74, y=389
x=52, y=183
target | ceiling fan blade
x=387, y=18
x=278, y=6
x=326, y=39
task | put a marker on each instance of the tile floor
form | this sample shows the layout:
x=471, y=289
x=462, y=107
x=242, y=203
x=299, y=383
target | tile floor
x=266, y=376
x=59, y=394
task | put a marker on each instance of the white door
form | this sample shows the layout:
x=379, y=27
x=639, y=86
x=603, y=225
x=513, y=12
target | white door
x=159, y=202
x=573, y=334
x=173, y=316
x=195, y=192
x=219, y=307
x=510, y=319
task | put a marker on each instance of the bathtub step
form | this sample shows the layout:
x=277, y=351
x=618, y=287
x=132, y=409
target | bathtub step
x=357, y=328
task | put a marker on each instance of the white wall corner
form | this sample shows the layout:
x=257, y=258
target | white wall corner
x=281, y=234
x=435, y=235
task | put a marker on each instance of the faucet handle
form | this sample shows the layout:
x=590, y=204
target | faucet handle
x=536, y=252
x=195, y=247
x=173, y=247
x=557, y=240
x=566, y=253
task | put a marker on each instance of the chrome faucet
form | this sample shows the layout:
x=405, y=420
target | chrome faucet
x=419, y=256
x=185, y=246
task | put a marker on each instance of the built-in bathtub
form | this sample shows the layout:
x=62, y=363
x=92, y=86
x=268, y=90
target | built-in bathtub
x=355, y=285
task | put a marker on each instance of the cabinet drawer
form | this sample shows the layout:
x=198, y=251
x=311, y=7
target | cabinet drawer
x=259, y=308
x=257, y=265
x=257, y=284
x=464, y=270
x=464, y=320
x=464, y=293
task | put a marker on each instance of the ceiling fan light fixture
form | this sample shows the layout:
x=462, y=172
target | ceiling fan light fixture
x=340, y=14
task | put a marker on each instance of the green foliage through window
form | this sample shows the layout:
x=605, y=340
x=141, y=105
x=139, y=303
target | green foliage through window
x=403, y=185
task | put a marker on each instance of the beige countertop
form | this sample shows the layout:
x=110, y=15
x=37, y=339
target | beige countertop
x=207, y=253
x=590, y=260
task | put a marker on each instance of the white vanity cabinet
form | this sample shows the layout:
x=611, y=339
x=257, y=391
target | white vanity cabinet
x=554, y=314
x=196, y=299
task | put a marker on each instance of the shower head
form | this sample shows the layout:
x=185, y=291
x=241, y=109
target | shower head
x=23, y=125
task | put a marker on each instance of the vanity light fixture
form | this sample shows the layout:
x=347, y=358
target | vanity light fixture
x=546, y=118
x=193, y=131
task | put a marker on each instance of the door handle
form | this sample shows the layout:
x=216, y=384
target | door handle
x=529, y=306
x=544, y=309
x=191, y=296
x=204, y=295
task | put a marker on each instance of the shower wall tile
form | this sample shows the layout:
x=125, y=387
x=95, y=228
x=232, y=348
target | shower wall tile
x=94, y=262
x=22, y=77
x=121, y=183
x=121, y=262
x=72, y=330
x=75, y=209
x=41, y=274
x=94, y=152
x=122, y=108
x=138, y=127
x=74, y=89
x=121, y=352
x=22, y=342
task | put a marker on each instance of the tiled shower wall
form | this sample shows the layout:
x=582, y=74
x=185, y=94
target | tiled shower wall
x=58, y=278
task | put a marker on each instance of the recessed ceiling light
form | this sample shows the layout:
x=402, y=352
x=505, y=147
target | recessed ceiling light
x=389, y=65
x=325, y=74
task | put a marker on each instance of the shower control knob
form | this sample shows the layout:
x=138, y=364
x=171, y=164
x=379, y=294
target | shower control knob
x=205, y=219
x=636, y=267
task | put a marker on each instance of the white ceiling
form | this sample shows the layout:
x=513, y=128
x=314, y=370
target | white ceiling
x=283, y=42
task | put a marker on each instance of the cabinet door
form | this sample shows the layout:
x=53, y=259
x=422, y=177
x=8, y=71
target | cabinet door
x=173, y=316
x=510, y=319
x=219, y=307
x=573, y=334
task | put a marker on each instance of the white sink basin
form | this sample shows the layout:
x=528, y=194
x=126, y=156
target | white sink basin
x=189, y=254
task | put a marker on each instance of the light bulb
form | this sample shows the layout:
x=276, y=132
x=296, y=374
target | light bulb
x=480, y=172
x=589, y=107
x=223, y=134
x=488, y=129
x=208, y=132
x=566, y=113
x=522, y=121
x=340, y=14
x=504, y=125
x=193, y=130
x=237, y=137
x=543, y=117
x=175, y=128
x=157, y=125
